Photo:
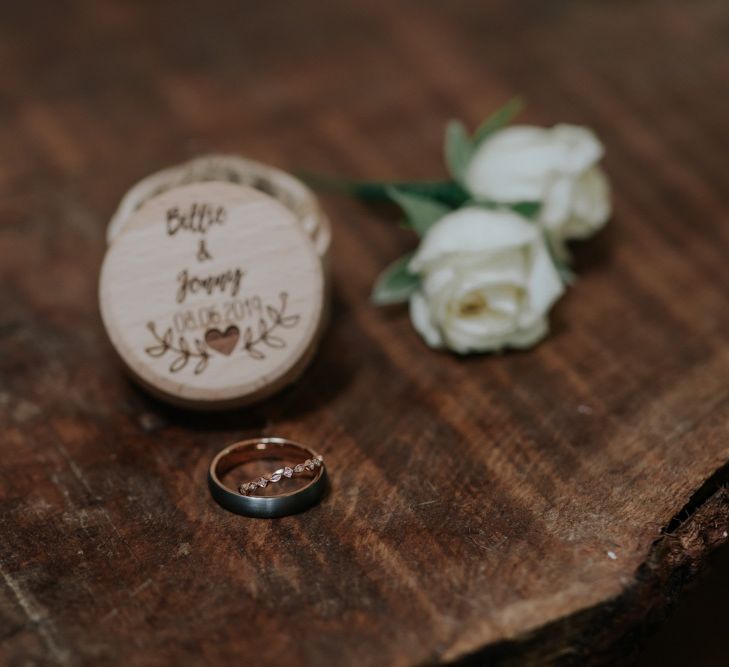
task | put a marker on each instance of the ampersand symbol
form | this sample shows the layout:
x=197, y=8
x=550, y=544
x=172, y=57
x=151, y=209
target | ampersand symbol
x=202, y=252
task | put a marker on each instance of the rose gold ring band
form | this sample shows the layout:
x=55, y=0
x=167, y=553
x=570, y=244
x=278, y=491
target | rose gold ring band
x=244, y=501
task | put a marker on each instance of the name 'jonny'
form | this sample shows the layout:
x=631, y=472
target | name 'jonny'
x=221, y=282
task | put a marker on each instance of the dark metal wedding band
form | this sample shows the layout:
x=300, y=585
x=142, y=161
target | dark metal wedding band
x=266, y=507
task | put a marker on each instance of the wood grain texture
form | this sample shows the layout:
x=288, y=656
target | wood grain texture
x=476, y=504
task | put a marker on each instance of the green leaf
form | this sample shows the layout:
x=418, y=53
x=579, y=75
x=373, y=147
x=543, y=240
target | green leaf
x=449, y=193
x=560, y=255
x=446, y=192
x=396, y=283
x=458, y=149
x=421, y=212
x=569, y=277
x=497, y=120
x=527, y=209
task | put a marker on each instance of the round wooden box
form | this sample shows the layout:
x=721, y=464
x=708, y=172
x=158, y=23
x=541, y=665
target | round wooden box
x=212, y=292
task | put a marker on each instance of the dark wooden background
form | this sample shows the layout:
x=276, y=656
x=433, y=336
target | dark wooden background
x=474, y=502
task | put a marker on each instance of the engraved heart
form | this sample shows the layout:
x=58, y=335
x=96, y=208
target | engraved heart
x=223, y=341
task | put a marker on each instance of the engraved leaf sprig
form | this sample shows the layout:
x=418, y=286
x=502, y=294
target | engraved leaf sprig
x=182, y=350
x=263, y=332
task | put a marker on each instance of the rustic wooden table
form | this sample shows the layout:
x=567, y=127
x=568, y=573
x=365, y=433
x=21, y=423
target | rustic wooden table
x=540, y=506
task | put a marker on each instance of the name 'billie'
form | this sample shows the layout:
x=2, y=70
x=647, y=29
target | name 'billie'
x=197, y=218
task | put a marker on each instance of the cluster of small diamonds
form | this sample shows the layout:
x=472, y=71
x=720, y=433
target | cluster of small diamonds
x=247, y=488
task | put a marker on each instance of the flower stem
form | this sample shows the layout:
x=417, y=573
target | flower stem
x=447, y=192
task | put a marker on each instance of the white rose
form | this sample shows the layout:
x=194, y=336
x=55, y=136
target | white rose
x=556, y=167
x=487, y=282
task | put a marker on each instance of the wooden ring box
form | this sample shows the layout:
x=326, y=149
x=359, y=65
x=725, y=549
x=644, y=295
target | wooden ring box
x=214, y=289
